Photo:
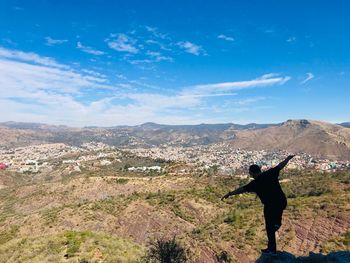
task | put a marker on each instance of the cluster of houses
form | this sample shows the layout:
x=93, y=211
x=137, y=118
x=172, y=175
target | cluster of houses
x=229, y=161
x=155, y=168
x=221, y=156
x=35, y=158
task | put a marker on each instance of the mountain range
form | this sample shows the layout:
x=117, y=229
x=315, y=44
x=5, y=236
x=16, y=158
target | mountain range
x=320, y=139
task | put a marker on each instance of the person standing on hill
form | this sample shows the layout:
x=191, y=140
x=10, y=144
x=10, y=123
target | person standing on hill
x=268, y=189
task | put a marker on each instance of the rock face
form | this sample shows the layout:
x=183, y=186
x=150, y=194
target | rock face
x=311, y=231
x=285, y=257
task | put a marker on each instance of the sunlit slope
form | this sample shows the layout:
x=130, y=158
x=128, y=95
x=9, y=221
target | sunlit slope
x=109, y=213
x=319, y=139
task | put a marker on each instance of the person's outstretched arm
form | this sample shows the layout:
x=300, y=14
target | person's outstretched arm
x=282, y=164
x=238, y=191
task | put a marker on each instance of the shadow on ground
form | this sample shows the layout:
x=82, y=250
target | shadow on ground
x=285, y=257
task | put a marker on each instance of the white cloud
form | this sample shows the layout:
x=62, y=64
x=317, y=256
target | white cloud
x=206, y=95
x=162, y=46
x=27, y=77
x=158, y=56
x=263, y=81
x=309, y=76
x=89, y=50
x=52, y=42
x=29, y=57
x=35, y=88
x=291, y=39
x=151, y=41
x=140, y=61
x=153, y=57
x=248, y=101
x=153, y=54
x=227, y=38
x=94, y=73
x=269, y=30
x=121, y=76
x=38, y=89
x=191, y=48
x=159, y=102
x=145, y=85
x=193, y=96
x=155, y=32
x=122, y=43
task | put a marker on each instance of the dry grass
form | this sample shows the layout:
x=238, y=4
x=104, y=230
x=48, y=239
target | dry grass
x=86, y=217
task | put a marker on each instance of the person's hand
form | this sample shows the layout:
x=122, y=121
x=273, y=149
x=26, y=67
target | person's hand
x=225, y=196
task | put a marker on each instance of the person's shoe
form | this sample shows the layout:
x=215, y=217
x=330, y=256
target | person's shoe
x=269, y=252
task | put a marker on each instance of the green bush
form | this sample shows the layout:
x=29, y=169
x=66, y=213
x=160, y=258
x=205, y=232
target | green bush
x=231, y=218
x=73, y=242
x=166, y=251
x=347, y=239
x=122, y=181
x=223, y=257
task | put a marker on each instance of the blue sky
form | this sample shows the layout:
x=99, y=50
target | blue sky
x=111, y=63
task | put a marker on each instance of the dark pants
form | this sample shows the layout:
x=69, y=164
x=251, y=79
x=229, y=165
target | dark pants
x=273, y=221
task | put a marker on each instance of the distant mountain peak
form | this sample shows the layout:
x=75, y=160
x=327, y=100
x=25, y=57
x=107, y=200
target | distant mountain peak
x=302, y=123
x=345, y=124
x=151, y=125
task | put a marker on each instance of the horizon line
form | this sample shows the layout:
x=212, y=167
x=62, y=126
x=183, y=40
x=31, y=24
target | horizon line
x=163, y=124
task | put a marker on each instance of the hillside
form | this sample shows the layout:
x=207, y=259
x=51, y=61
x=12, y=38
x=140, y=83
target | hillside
x=316, y=138
x=108, y=215
x=98, y=203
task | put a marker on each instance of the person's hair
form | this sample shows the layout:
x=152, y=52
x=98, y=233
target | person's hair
x=254, y=169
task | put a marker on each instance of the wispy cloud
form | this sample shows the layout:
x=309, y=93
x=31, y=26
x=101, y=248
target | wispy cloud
x=28, y=73
x=248, y=101
x=38, y=88
x=89, y=50
x=227, y=38
x=41, y=89
x=155, y=32
x=152, y=57
x=191, y=48
x=263, y=81
x=161, y=45
x=18, y=8
x=291, y=39
x=309, y=76
x=194, y=95
x=9, y=41
x=269, y=31
x=94, y=73
x=29, y=57
x=122, y=43
x=158, y=56
x=121, y=76
x=53, y=42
